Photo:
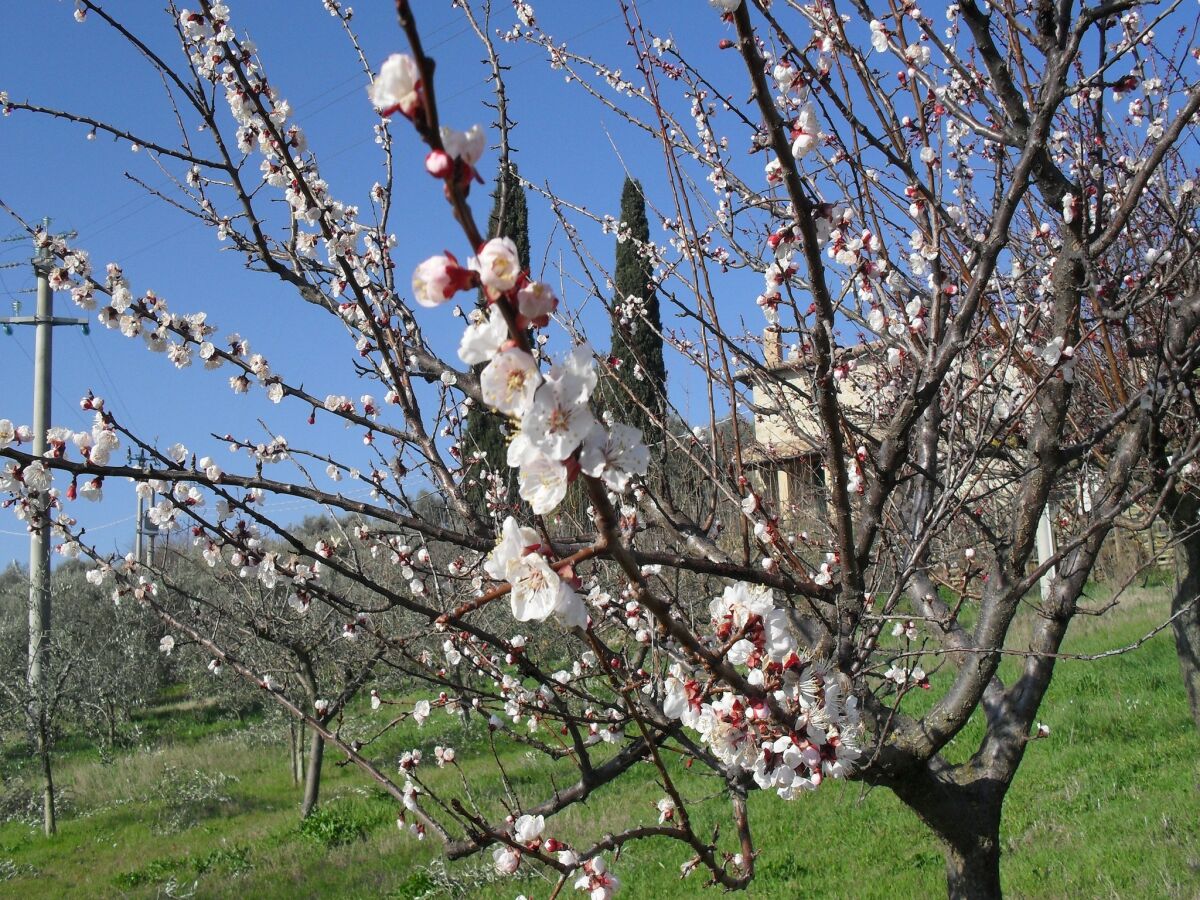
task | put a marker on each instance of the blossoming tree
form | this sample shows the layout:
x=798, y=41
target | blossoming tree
x=942, y=226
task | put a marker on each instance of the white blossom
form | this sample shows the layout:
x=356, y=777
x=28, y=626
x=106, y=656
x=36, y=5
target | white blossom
x=397, y=87
x=509, y=381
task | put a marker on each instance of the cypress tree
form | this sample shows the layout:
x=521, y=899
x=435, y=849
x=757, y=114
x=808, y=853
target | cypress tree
x=509, y=193
x=637, y=343
x=486, y=431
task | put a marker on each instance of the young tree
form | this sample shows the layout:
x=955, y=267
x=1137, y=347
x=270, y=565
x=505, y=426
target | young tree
x=105, y=665
x=930, y=237
x=1163, y=353
x=1182, y=513
x=114, y=649
x=294, y=634
x=26, y=705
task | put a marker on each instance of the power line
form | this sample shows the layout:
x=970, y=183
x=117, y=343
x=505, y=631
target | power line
x=111, y=385
x=145, y=202
x=73, y=406
x=89, y=529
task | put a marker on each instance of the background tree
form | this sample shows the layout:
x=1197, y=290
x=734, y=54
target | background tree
x=307, y=650
x=21, y=708
x=486, y=432
x=121, y=668
x=106, y=664
x=637, y=342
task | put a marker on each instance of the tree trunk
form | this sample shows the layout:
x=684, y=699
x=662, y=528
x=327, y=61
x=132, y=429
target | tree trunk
x=110, y=716
x=972, y=864
x=965, y=815
x=296, y=750
x=312, y=783
x=1187, y=624
x=49, y=823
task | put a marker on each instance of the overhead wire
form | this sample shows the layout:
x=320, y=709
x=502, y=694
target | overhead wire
x=90, y=230
x=142, y=202
x=73, y=406
x=109, y=383
x=89, y=528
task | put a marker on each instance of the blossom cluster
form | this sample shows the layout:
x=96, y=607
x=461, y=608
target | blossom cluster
x=523, y=834
x=825, y=732
x=557, y=436
x=27, y=481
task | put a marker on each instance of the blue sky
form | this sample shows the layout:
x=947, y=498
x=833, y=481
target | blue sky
x=49, y=169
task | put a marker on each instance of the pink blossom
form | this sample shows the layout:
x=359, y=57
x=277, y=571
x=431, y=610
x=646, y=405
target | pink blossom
x=421, y=711
x=542, y=483
x=506, y=859
x=509, y=381
x=528, y=829
x=466, y=145
x=515, y=541
x=535, y=303
x=615, y=454
x=438, y=279
x=439, y=164
x=484, y=337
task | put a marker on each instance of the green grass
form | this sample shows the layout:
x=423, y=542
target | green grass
x=1105, y=807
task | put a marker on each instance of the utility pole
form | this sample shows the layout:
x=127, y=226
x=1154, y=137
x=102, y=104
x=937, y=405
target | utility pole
x=144, y=528
x=39, y=533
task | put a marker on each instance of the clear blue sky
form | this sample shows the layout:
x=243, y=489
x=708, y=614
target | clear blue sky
x=48, y=168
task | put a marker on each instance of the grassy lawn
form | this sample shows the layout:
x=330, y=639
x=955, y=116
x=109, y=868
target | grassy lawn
x=1107, y=806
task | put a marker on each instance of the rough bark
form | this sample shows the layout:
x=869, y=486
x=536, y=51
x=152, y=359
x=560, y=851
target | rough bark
x=973, y=866
x=965, y=815
x=1186, y=625
x=1182, y=507
x=110, y=719
x=295, y=750
x=316, y=747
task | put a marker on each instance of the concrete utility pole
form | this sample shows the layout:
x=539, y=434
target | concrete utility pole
x=39, y=535
x=144, y=528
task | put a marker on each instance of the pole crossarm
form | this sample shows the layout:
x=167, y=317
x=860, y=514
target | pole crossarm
x=37, y=320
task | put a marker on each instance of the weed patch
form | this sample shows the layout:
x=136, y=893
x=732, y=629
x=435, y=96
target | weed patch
x=153, y=872
x=10, y=869
x=333, y=826
x=436, y=880
x=226, y=860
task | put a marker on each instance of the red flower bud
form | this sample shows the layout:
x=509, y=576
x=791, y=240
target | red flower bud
x=439, y=164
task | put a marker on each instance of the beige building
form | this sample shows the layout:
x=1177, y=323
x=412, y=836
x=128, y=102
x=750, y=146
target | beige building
x=787, y=456
x=789, y=437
